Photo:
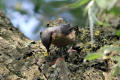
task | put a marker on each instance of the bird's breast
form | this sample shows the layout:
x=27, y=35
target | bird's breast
x=62, y=40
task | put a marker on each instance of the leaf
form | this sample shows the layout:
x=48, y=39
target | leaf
x=106, y=4
x=115, y=11
x=118, y=33
x=93, y=56
x=78, y=3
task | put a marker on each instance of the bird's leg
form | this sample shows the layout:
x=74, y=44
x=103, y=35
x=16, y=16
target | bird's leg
x=60, y=51
x=48, y=51
x=71, y=49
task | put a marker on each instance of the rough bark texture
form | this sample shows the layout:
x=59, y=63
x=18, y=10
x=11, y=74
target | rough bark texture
x=18, y=54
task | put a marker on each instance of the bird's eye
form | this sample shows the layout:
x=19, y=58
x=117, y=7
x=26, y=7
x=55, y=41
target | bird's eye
x=48, y=25
x=68, y=25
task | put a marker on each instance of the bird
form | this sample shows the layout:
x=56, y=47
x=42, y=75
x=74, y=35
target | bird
x=60, y=36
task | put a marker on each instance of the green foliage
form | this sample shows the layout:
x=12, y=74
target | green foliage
x=2, y=6
x=37, y=4
x=93, y=56
x=115, y=11
x=106, y=4
x=78, y=3
x=107, y=52
x=58, y=4
x=118, y=33
x=94, y=7
x=92, y=10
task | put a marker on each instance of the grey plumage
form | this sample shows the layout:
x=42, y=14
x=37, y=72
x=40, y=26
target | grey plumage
x=59, y=32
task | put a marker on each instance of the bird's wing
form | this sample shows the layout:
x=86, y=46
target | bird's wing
x=66, y=29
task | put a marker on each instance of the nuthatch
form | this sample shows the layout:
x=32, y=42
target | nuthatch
x=59, y=36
